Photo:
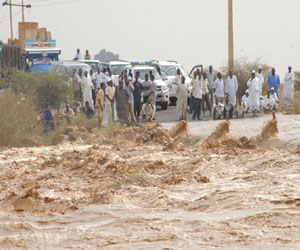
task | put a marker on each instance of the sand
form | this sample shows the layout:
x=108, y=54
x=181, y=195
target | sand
x=153, y=188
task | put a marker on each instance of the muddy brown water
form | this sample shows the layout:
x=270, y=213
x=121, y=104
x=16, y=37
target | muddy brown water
x=127, y=195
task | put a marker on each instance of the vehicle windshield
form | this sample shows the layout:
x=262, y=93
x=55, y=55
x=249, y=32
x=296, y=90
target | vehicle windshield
x=172, y=71
x=42, y=60
x=143, y=72
x=165, y=68
x=77, y=67
x=116, y=70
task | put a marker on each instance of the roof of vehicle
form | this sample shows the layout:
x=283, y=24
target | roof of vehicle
x=143, y=67
x=118, y=63
x=91, y=61
x=70, y=63
x=169, y=62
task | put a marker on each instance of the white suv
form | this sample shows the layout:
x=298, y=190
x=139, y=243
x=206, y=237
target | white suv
x=169, y=68
x=116, y=68
x=162, y=87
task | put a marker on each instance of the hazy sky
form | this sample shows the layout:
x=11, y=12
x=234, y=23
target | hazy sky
x=189, y=31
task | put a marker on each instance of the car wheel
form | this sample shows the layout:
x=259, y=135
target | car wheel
x=164, y=106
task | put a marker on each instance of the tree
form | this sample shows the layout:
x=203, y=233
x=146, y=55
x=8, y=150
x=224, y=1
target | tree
x=106, y=56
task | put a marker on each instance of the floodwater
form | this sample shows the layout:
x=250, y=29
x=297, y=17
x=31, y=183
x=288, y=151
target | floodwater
x=150, y=191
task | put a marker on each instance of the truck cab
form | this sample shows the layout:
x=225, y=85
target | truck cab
x=38, y=56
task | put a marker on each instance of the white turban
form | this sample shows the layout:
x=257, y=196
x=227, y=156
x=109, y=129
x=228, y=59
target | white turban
x=253, y=72
x=259, y=67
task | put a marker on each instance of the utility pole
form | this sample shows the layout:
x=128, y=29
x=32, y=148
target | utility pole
x=10, y=13
x=230, y=36
x=23, y=18
x=11, y=24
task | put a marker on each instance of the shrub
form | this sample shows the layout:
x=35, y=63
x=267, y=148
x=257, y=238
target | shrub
x=45, y=88
x=19, y=119
x=242, y=69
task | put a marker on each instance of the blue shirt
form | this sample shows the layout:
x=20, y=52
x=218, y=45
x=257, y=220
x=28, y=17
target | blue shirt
x=274, y=81
x=47, y=116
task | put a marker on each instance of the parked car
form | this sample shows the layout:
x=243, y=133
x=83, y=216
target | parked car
x=66, y=67
x=162, y=87
x=169, y=68
x=116, y=68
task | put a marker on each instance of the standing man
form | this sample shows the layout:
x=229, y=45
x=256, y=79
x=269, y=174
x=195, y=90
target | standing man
x=48, y=120
x=100, y=104
x=205, y=94
x=198, y=92
x=254, y=86
x=153, y=92
x=78, y=55
x=211, y=77
x=288, y=88
x=86, y=88
x=137, y=94
x=146, y=88
x=219, y=88
x=100, y=78
x=231, y=87
x=109, y=101
x=121, y=97
x=130, y=101
x=274, y=81
x=182, y=95
x=260, y=76
x=87, y=55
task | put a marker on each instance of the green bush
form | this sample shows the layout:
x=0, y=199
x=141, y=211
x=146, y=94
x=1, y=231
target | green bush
x=19, y=120
x=45, y=88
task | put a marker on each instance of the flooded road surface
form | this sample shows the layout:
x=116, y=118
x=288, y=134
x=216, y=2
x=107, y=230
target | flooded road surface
x=154, y=192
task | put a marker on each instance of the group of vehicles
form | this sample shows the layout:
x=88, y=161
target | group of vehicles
x=42, y=57
x=166, y=89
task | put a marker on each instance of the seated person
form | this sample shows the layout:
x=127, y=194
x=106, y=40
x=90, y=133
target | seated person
x=245, y=100
x=269, y=102
x=240, y=109
x=88, y=111
x=228, y=108
x=218, y=109
x=275, y=98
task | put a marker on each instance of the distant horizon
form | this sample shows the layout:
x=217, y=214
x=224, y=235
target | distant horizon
x=190, y=32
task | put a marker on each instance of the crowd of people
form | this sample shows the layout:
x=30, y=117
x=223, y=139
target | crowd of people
x=132, y=100
x=209, y=92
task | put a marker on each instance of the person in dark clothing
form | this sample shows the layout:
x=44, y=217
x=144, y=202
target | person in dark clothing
x=89, y=112
x=48, y=120
x=228, y=108
x=137, y=95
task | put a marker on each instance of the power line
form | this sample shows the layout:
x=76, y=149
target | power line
x=57, y=3
x=6, y=19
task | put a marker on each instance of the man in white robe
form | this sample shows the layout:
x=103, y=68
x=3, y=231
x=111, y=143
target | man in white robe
x=288, y=88
x=182, y=95
x=260, y=76
x=86, y=88
x=231, y=87
x=254, y=86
